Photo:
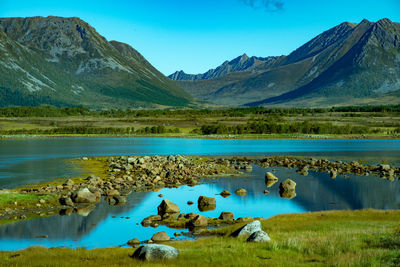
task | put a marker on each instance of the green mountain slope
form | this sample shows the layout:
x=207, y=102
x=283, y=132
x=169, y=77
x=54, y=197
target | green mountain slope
x=348, y=64
x=64, y=61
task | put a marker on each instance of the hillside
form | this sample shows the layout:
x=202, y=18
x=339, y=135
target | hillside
x=66, y=62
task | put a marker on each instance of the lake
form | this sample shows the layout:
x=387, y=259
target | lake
x=30, y=160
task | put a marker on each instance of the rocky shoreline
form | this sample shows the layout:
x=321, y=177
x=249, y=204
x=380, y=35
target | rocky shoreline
x=116, y=177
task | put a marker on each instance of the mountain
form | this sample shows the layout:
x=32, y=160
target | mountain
x=66, y=62
x=349, y=64
x=240, y=63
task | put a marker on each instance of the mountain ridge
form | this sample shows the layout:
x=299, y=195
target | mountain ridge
x=349, y=63
x=66, y=61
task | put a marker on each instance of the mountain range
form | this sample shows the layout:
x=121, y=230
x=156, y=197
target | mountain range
x=350, y=64
x=66, y=62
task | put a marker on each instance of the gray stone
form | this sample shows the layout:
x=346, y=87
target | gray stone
x=151, y=252
x=259, y=236
x=248, y=229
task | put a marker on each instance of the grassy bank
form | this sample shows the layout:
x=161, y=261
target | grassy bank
x=223, y=123
x=337, y=238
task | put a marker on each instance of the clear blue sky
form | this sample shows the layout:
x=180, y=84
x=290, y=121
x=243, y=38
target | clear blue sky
x=196, y=35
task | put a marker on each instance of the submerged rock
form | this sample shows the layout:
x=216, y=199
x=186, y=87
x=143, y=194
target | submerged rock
x=151, y=252
x=225, y=194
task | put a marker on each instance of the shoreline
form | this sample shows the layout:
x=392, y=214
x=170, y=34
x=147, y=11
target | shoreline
x=216, y=137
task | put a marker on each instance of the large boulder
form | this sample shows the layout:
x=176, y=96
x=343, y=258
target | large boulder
x=259, y=236
x=151, y=252
x=198, y=221
x=84, y=196
x=226, y=216
x=167, y=207
x=207, y=201
x=248, y=229
x=160, y=237
x=287, y=185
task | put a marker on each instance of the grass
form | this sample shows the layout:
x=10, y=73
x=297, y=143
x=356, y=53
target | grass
x=335, y=238
x=8, y=200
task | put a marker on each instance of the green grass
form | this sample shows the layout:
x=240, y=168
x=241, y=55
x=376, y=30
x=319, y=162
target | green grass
x=336, y=238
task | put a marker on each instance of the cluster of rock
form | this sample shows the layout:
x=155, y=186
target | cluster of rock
x=252, y=232
x=169, y=214
x=287, y=188
x=333, y=167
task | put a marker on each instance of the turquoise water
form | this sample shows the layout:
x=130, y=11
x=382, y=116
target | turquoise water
x=24, y=161
x=35, y=160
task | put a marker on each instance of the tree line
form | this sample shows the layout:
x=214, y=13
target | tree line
x=283, y=128
x=51, y=111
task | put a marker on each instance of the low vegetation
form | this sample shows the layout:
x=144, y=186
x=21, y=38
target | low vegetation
x=336, y=238
x=374, y=121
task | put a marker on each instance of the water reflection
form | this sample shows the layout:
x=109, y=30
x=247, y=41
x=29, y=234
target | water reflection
x=33, y=160
x=317, y=191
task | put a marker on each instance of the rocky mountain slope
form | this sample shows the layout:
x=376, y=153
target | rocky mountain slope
x=348, y=64
x=65, y=61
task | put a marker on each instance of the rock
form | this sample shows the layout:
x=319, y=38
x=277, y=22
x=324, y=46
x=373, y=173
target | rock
x=241, y=192
x=270, y=183
x=160, y=195
x=288, y=194
x=176, y=234
x=84, y=196
x=69, y=182
x=248, y=229
x=120, y=199
x=151, y=252
x=167, y=207
x=287, y=185
x=266, y=192
x=190, y=202
x=198, y=221
x=160, y=237
x=66, y=201
x=333, y=174
x=271, y=176
x=384, y=167
x=225, y=194
x=112, y=193
x=226, y=216
x=248, y=168
x=259, y=236
x=244, y=219
x=149, y=220
x=133, y=242
x=85, y=158
x=207, y=201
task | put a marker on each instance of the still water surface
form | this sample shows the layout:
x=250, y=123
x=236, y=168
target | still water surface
x=34, y=160
x=104, y=227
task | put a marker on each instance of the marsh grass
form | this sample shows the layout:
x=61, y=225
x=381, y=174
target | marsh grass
x=337, y=238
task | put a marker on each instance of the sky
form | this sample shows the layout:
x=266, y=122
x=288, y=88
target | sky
x=196, y=35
